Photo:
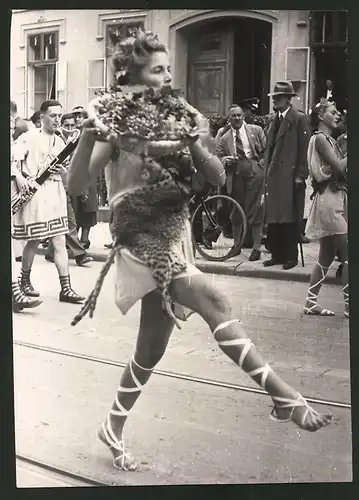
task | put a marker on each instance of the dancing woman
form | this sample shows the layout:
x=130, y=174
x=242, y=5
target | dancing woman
x=327, y=221
x=190, y=290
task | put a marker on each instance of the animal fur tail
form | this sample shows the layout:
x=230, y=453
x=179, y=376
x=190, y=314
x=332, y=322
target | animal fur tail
x=90, y=304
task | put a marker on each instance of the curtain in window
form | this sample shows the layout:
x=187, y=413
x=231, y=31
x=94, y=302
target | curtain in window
x=51, y=94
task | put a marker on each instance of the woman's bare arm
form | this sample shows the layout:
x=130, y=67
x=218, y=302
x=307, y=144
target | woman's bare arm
x=328, y=154
x=78, y=175
x=89, y=160
x=208, y=164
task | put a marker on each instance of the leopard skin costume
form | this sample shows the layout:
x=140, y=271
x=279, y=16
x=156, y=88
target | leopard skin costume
x=149, y=221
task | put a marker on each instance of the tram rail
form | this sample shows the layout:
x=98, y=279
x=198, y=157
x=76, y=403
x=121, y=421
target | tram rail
x=169, y=374
x=56, y=473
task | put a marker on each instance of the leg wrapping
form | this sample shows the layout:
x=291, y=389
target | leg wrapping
x=243, y=346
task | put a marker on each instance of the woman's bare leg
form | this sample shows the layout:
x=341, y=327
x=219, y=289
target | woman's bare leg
x=327, y=251
x=341, y=242
x=329, y=246
x=198, y=294
x=154, y=333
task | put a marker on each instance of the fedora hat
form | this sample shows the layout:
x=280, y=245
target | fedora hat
x=283, y=88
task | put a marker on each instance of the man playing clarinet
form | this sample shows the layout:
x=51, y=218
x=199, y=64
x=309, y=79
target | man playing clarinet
x=45, y=214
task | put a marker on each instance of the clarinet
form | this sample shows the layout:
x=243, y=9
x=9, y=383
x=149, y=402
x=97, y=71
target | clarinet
x=23, y=198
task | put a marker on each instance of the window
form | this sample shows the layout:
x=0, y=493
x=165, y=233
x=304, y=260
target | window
x=115, y=33
x=95, y=77
x=18, y=84
x=42, y=48
x=297, y=72
x=297, y=63
x=42, y=57
x=44, y=84
x=118, y=32
x=328, y=27
x=61, y=82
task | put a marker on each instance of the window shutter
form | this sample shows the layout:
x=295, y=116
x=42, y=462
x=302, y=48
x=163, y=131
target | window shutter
x=61, y=82
x=96, y=77
x=18, y=90
x=297, y=72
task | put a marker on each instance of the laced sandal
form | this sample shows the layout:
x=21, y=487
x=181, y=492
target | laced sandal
x=292, y=405
x=265, y=371
x=26, y=286
x=21, y=301
x=346, y=300
x=121, y=459
x=314, y=309
x=67, y=294
x=70, y=296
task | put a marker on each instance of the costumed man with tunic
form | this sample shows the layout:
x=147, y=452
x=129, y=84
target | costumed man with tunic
x=18, y=127
x=241, y=150
x=20, y=301
x=45, y=214
x=286, y=169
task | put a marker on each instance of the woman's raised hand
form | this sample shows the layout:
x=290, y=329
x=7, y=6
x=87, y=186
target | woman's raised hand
x=93, y=124
x=202, y=124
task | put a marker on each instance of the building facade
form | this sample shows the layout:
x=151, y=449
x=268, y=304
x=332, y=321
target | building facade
x=217, y=56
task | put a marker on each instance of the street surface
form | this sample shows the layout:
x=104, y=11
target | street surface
x=182, y=432
x=33, y=477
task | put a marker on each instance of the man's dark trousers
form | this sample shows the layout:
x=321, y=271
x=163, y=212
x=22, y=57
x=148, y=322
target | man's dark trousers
x=73, y=243
x=283, y=242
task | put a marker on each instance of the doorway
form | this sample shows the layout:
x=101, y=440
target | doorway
x=331, y=64
x=329, y=44
x=229, y=61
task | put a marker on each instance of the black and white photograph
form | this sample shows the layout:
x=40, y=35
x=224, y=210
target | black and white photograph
x=179, y=247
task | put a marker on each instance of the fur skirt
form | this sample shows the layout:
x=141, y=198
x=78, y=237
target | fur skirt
x=134, y=279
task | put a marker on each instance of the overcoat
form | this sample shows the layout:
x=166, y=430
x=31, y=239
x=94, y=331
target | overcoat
x=285, y=158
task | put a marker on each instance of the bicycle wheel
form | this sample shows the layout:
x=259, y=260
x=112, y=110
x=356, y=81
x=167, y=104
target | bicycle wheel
x=215, y=244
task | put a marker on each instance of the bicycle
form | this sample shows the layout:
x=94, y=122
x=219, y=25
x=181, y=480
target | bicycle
x=214, y=241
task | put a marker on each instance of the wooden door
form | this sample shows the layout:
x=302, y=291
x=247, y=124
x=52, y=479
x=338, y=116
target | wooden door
x=210, y=75
x=207, y=88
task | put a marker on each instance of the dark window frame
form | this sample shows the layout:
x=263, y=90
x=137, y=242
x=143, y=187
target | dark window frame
x=332, y=21
x=111, y=28
x=42, y=61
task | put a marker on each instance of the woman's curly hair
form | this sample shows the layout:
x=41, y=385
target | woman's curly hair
x=132, y=54
x=317, y=111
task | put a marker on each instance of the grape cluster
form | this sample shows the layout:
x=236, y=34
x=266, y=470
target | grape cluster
x=146, y=115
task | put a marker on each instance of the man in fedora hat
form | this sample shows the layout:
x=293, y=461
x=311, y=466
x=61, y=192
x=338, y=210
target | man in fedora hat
x=286, y=169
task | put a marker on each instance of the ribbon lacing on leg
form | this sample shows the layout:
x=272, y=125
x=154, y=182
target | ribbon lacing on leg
x=247, y=345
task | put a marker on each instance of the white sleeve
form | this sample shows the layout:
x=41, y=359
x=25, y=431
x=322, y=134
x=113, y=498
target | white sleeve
x=20, y=148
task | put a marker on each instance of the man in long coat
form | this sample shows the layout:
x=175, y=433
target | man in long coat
x=286, y=169
x=241, y=150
